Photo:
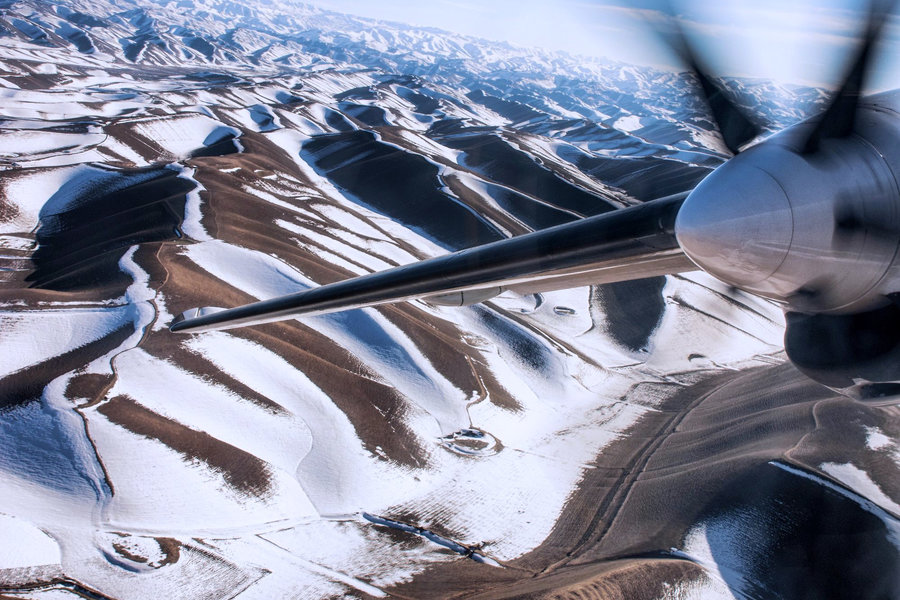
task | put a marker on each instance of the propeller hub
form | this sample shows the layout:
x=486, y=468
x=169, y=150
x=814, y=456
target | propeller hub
x=737, y=224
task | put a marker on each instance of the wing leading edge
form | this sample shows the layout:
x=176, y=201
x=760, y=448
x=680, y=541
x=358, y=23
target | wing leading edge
x=630, y=243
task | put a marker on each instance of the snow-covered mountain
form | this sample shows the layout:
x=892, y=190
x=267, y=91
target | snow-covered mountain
x=158, y=156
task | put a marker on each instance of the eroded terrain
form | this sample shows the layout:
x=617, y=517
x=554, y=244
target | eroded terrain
x=593, y=441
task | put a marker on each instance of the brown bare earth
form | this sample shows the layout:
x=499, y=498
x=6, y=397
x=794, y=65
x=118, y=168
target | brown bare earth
x=172, y=548
x=612, y=580
x=379, y=419
x=241, y=470
x=646, y=490
x=27, y=384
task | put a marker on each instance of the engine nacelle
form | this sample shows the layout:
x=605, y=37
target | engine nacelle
x=816, y=232
x=464, y=298
x=857, y=355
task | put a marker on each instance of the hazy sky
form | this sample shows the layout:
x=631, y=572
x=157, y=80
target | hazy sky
x=794, y=41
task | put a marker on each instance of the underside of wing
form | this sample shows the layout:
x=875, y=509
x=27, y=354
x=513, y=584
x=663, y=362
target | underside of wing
x=627, y=244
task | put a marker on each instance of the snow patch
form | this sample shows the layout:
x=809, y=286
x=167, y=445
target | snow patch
x=25, y=545
x=184, y=134
x=860, y=482
x=628, y=123
x=193, y=214
x=33, y=337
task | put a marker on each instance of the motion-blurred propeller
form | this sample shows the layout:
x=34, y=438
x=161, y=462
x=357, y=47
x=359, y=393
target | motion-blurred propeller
x=732, y=122
x=839, y=118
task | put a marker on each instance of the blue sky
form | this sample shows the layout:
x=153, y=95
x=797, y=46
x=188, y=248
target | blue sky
x=793, y=41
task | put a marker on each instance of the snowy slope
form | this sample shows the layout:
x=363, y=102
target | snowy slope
x=156, y=158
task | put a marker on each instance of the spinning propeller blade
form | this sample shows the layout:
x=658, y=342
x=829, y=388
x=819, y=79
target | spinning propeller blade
x=732, y=122
x=839, y=118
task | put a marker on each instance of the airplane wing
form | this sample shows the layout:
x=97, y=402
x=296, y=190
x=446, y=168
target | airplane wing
x=631, y=243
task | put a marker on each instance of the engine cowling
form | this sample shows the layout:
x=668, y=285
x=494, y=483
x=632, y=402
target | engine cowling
x=858, y=354
x=817, y=233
